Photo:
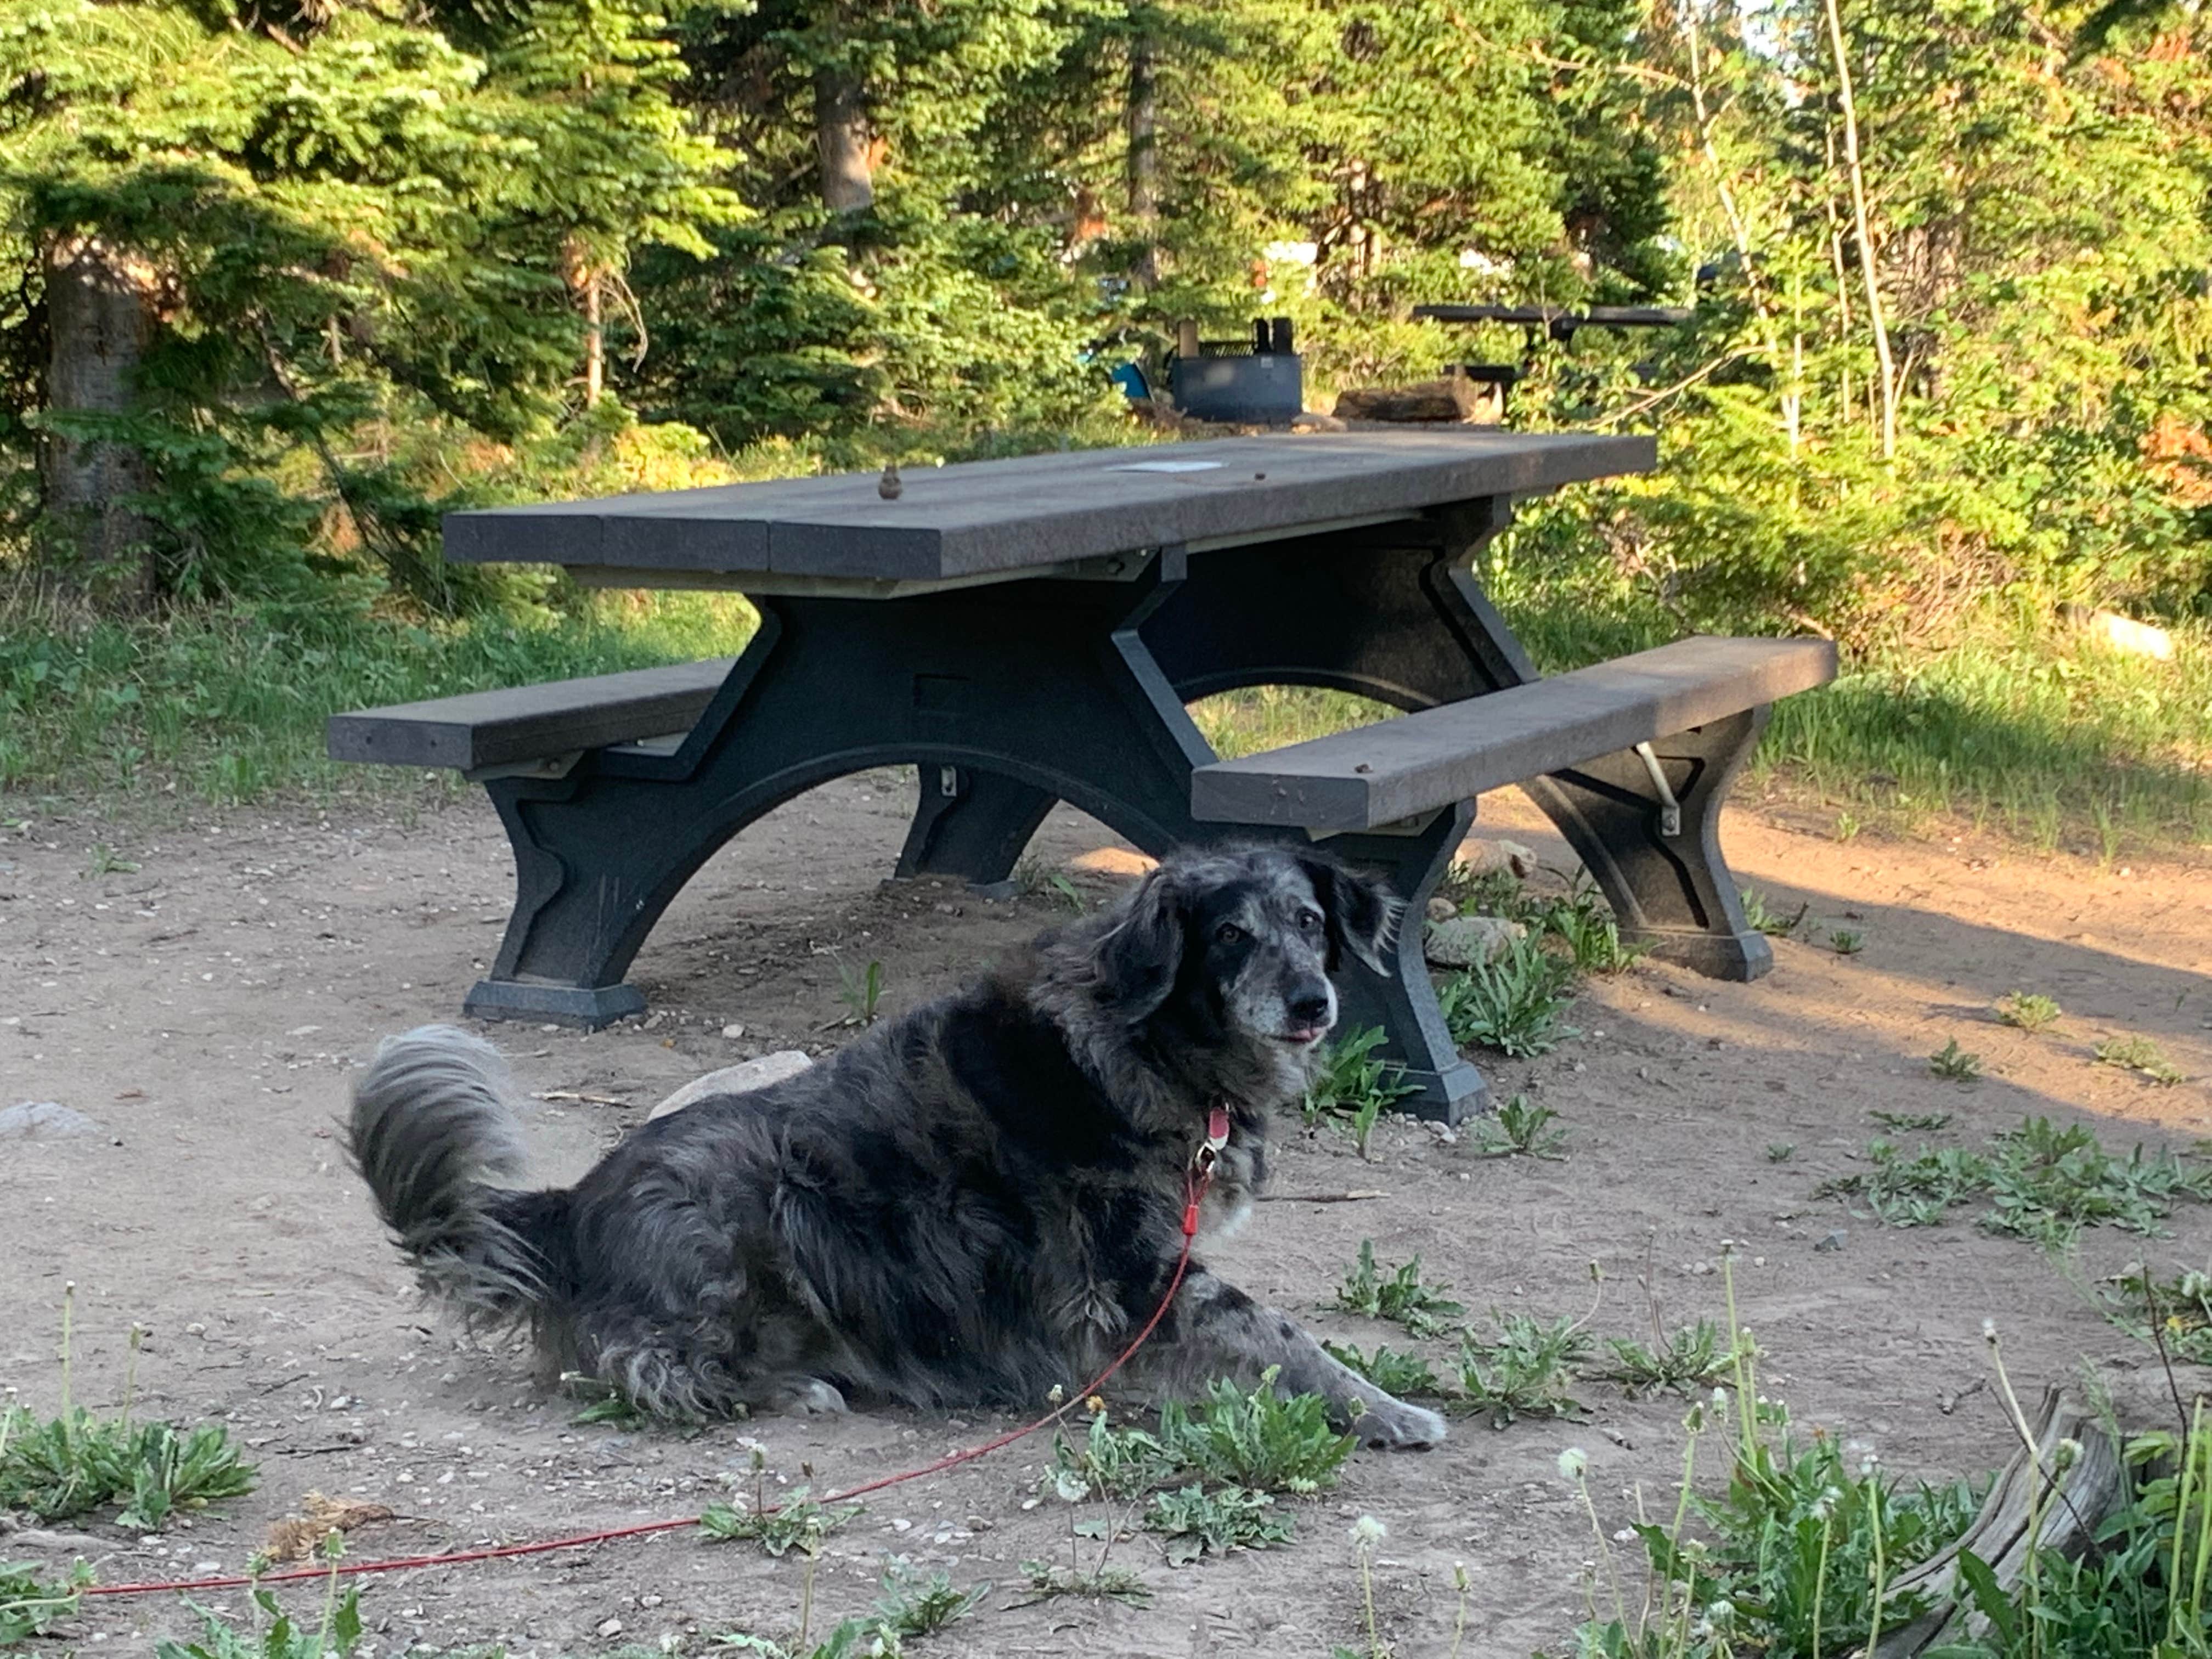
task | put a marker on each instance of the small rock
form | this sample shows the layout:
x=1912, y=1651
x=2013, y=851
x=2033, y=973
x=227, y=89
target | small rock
x=1442, y=909
x=737, y=1079
x=734, y=1031
x=44, y=1120
x=2125, y=634
x=1479, y=858
x=1834, y=1241
x=1465, y=940
x=610, y=1627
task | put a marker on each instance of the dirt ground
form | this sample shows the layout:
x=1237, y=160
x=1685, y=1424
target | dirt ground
x=207, y=1008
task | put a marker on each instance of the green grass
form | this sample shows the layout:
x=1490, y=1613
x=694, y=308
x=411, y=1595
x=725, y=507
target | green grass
x=1254, y=1438
x=1233, y=1436
x=1513, y=1004
x=1954, y=1064
x=30, y=1602
x=1680, y=1361
x=229, y=705
x=2018, y=727
x=2140, y=1054
x=1520, y=1130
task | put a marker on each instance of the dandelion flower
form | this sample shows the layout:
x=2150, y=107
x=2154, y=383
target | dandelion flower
x=1572, y=1462
x=1367, y=1532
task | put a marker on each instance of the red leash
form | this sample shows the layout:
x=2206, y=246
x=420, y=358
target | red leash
x=1196, y=1181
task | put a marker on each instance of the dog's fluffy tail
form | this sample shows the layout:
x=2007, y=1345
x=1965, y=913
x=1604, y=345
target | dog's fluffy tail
x=430, y=1117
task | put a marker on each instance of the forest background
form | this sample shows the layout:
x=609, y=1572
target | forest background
x=280, y=281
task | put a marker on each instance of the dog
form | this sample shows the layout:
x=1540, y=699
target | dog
x=971, y=1205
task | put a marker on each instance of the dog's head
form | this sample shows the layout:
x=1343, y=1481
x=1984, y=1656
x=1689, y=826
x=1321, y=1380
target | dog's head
x=1239, y=945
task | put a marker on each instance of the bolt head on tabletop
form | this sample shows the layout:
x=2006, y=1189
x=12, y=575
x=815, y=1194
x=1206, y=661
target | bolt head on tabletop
x=889, y=486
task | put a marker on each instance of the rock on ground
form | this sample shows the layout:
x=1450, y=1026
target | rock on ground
x=735, y=1080
x=1465, y=940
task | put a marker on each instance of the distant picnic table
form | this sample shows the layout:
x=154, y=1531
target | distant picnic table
x=1027, y=631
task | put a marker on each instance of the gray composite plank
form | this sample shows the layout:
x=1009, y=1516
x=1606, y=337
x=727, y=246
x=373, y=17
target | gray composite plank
x=1397, y=769
x=988, y=518
x=529, y=722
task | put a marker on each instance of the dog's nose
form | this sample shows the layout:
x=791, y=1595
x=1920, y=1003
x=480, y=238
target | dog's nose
x=1311, y=1007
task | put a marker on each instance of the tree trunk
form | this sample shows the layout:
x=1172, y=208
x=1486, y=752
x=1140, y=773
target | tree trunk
x=1143, y=117
x=584, y=289
x=1858, y=174
x=841, y=132
x=100, y=313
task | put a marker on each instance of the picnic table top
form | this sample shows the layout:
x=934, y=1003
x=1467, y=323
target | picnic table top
x=995, y=520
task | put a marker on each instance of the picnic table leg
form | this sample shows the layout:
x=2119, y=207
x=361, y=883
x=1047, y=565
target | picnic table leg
x=1673, y=893
x=1394, y=612
x=1030, y=690
x=1404, y=1001
x=972, y=826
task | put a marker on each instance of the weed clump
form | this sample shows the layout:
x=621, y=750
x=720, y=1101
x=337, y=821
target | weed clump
x=2028, y=1012
x=1353, y=1089
x=797, y=1523
x=1255, y=1438
x=1194, y=1523
x=2042, y=1183
x=1525, y=1370
x=1393, y=1372
x=1421, y=1309
x=2140, y=1054
x=1520, y=1130
x=1512, y=1003
x=75, y=1463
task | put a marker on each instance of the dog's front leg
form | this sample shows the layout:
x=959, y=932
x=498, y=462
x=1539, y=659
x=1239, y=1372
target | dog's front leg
x=1216, y=1330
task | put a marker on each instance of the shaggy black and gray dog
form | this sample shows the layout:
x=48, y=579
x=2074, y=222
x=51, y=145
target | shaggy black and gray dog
x=967, y=1206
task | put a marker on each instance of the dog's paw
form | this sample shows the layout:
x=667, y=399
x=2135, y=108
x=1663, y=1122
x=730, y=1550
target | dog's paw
x=1396, y=1426
x=807, y=1396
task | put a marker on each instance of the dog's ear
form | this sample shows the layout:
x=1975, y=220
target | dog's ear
x=1139, y=957
x=1362, y=913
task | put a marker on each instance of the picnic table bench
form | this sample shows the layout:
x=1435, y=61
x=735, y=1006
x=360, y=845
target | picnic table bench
x=1028, y=631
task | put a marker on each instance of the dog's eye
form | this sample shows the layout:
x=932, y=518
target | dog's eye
x=1228, y=933
x=1308, y=920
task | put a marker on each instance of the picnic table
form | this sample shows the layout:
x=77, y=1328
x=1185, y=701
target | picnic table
x=1027, y=631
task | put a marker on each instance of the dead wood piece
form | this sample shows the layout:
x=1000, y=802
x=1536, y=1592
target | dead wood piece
x=1449, y=397
x=295, y=1537
x=2073, y=1503
x=1358, y=1197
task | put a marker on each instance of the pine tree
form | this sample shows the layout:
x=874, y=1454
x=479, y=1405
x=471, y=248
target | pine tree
x=247, y=232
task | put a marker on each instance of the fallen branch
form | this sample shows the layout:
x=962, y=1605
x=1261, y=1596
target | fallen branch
x=2067, y=1502
x=1320, y=1198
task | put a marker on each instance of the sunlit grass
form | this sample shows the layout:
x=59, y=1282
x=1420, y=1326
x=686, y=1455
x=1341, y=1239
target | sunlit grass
x=229, y=705
x=2036, y=735
x=2032, y=733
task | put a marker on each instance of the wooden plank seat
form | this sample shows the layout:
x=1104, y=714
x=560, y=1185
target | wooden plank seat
x=530, y=729
x=1633, y=758
x=1396, y=769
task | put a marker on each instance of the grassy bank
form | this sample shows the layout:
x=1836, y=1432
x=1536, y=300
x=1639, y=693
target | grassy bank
x=229, y=705
x=2037, y=733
